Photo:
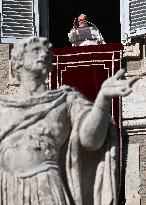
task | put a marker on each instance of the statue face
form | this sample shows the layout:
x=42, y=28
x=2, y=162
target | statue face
x=36, y=58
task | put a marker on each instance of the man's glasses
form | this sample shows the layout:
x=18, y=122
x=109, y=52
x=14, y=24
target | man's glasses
x=81, y=20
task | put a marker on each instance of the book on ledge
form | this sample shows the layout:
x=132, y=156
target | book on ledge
x=84, y=33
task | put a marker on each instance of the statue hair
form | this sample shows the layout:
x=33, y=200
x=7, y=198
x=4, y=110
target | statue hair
x=20, y=48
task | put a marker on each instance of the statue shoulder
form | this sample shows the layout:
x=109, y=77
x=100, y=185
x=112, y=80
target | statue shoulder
x=70, y=90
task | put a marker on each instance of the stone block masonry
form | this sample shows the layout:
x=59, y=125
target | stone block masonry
x=4, y=66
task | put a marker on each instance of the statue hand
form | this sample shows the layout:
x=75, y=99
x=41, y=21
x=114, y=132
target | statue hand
x=114, y=86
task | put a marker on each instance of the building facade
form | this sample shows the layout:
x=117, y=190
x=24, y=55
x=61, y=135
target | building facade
x=133, y=37
x=23, y=18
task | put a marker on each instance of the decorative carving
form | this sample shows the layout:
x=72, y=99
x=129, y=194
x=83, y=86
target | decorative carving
x=131, y=50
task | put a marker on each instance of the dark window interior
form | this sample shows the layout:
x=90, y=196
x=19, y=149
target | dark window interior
x=104, y=14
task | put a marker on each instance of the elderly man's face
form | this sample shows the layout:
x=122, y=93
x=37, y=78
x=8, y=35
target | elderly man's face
x=82, y=21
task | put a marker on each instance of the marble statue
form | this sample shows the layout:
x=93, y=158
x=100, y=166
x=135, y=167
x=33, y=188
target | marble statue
x=56, y=147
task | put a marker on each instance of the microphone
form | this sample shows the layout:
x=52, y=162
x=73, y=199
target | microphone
x=75, y=23
x=92, y=24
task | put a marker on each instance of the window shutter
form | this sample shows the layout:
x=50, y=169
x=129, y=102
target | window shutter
x=133, y=18
x=17, y=20
x=137, y=14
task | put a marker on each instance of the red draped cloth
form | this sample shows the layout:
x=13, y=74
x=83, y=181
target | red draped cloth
x=86, y=67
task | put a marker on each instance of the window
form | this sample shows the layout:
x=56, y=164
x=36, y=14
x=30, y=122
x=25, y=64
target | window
x=133, y=18
x=18, y=19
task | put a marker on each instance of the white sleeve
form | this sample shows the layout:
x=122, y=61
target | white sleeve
x=72, y=35
x=100, y=37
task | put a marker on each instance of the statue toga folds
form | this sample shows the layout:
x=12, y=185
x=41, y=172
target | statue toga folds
x=35, y=135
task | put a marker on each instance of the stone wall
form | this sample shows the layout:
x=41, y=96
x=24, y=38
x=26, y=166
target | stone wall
x=4, y=66
x=134, y=127
x=143, y=170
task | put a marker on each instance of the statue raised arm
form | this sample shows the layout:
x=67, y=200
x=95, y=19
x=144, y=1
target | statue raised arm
x=47, y=137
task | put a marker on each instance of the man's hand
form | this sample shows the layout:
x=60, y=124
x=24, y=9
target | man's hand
x=75, y=23
x=113, y=87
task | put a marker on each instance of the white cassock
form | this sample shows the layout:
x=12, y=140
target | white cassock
x=85, y=36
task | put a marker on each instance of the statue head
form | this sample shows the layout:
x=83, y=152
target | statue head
x=33, y=55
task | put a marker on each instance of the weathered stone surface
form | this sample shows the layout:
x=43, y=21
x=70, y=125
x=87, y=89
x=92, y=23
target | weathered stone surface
x=133, y=65
x=134, y=123
x=132, y=178
x=143, y=171
x=4, y=66
x=134, y=105
x=4, y=51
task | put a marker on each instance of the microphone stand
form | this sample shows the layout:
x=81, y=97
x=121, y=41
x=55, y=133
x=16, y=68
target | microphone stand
x=92, y=24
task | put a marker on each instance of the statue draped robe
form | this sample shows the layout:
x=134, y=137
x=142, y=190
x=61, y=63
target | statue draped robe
x=33, y=133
